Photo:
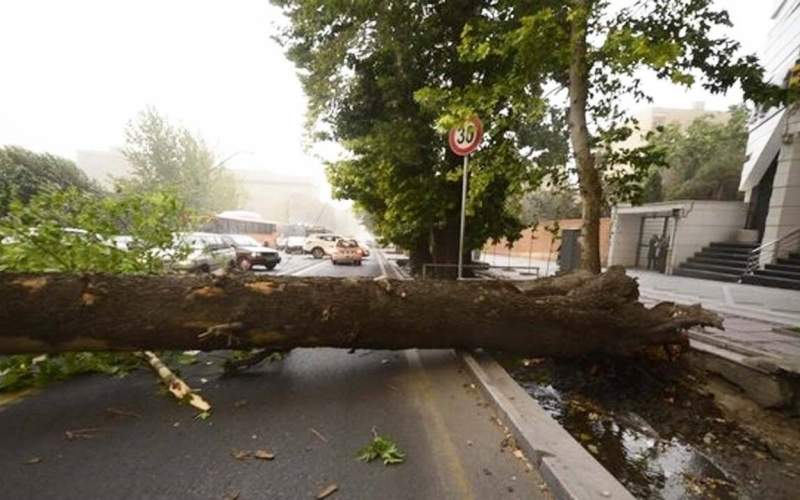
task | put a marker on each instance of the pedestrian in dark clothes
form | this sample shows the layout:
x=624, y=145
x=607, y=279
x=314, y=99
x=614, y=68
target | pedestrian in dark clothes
x=652, y=248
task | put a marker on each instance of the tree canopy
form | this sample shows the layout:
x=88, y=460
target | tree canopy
x=378, y=75
x=165, y=156
x=703, y=161
x=592, y=55
x=23, y=174
x=387, y=78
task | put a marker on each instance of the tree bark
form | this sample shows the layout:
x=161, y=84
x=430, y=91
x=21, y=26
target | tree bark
x=567, y=316
x=420, y=253
x=588, y=177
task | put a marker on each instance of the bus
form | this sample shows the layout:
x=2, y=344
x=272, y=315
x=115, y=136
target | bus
x=244, y=222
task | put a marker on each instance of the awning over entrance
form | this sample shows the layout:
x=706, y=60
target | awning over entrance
x=763, y=145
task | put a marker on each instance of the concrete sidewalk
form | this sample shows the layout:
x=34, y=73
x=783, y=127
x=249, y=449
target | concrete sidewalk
x=774, y=305
x=756, y=350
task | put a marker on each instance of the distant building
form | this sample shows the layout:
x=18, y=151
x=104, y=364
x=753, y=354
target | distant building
x=292, y=200
x=651, y=118
x=288, y=199
x=103, y=166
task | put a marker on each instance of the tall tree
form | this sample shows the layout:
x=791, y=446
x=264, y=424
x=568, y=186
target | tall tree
x=165, y=156
x=705, y=160
x=23, y=174
x=379, y=76
x=597, y=54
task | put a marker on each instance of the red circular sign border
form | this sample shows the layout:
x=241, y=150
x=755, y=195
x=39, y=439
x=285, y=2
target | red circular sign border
x=464, y=152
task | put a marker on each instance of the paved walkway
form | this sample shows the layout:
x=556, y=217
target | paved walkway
x=755, y=317
x=774, y=305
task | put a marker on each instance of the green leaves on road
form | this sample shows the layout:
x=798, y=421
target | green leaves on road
x=20, y=372
x=383, y=448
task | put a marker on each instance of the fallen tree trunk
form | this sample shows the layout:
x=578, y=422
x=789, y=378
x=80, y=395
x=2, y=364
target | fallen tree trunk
x=561, y=317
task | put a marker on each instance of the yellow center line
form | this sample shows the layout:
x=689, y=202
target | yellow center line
x=453, y=476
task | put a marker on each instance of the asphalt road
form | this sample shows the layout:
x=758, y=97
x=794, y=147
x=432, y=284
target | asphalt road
x=314, y=410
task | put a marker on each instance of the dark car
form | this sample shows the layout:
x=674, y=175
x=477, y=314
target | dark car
x=250, y=252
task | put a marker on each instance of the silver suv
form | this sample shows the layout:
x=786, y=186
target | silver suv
x=207, y=252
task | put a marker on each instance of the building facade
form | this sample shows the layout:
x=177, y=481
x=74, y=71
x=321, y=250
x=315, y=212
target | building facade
x=771, y=173
x=756, y=241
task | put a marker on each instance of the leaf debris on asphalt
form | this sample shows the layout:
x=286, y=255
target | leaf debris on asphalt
x=263, y=455
x=82, y=433
x=318, y=434
x=328, y=491
x=122, y=413
x=381, y=447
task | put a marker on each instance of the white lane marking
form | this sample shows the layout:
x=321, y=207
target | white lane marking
x=307, y=269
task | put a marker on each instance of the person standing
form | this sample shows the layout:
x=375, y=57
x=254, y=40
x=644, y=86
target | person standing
x=661, y=254
x=652, y=248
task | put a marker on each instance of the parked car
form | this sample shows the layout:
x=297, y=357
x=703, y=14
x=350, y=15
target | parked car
x=320, y=245
x=347, y=251
x=250, y=253
x=207, y=252
x=294, y=244
x=364, y=248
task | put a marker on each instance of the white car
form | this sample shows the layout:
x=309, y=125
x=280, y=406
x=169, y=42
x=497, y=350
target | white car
x=207, y=252
x=320, y=245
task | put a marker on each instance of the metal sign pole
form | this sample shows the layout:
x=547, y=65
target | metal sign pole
x=463, y=217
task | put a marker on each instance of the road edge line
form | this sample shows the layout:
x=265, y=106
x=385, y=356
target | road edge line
x=570, y=471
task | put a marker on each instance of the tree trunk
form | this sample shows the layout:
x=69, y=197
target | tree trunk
x=567, y=316
x=420, y=253
x=588, y=177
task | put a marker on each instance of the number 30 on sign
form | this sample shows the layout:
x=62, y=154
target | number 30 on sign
x=465, y=138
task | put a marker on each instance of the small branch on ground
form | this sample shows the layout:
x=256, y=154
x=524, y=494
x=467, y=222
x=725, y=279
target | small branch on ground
x=235, y=365
x=176, y=386
x=122, y=413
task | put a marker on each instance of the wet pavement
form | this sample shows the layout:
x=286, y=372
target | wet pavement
x=662, y=437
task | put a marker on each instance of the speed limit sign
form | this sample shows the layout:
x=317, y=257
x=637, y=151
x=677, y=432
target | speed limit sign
x=465, y=138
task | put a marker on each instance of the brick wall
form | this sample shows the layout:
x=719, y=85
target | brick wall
x=540, y=246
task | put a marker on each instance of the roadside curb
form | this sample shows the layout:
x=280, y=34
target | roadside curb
x=570, y=471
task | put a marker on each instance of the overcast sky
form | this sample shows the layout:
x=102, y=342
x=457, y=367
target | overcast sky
x=75, y=71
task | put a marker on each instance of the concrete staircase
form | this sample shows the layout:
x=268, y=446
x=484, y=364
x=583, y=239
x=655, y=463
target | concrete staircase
x=720, y=261
x=784, y=273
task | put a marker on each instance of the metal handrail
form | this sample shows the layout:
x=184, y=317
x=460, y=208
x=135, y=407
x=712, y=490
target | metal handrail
x=754, y=258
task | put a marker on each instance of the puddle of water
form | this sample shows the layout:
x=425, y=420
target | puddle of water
x=648, y=465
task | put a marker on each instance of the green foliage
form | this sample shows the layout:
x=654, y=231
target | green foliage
x=671, y=38
x=385, y=79
x=705, y=160
x=549, y=205
x=24, y=173
x=23, y=371
x=383, y=448
x=653, y=189
x=73, y=231
x=168, y=157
